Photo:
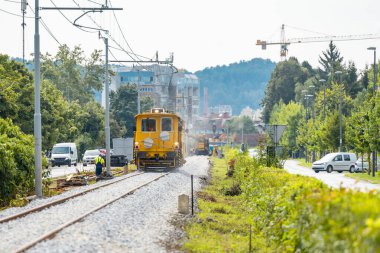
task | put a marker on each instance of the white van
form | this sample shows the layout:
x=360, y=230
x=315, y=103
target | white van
x=64, y=154
x=336, y=162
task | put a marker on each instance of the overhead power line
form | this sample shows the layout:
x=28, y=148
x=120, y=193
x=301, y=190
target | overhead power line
x=70, y=20
x=46, y=28
x=13, y=14
x=122, y=33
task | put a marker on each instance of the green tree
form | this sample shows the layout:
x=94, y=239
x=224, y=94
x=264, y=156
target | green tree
x=290, y=115
x=16, y=162
x=282, y=84
x=76, y=76
x=330, y=60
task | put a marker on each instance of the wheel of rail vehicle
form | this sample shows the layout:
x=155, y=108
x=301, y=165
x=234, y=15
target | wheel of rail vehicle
x=329, y=169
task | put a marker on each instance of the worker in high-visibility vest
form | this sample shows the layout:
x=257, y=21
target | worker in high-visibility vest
x=99, y=163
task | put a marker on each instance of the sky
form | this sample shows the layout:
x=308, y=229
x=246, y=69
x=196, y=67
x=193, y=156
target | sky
x=200, y=33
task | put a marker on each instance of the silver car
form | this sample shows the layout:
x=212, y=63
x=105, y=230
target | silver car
x=89, y=156
x=363, y=163
x=336, y=162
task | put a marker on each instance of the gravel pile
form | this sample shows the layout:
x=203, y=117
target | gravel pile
x=18, y=232
x=39, y=202
x=137, y=223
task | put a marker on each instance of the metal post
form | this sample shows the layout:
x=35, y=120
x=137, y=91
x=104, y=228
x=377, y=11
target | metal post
x=37, y=111
x=307, y=119
x=340, y=109
x=192, y=195
x=340, y=119
x=23, y=10
x=374, y=153
x=107, y=129
x=324, y=101
x=138, y=92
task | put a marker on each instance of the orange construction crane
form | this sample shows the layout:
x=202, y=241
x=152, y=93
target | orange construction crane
x=284, y=43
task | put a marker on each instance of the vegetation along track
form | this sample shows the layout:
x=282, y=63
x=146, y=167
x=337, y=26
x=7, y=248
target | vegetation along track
x=44, y=224
x=59, y=201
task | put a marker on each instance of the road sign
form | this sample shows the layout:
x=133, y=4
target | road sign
x=275, y=132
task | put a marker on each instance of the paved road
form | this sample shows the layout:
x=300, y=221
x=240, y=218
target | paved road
x=333, y=179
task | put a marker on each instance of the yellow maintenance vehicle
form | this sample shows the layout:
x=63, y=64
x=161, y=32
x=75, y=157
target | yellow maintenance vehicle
x=158, y=140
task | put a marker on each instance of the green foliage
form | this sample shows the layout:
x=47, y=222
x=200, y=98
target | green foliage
x=238, y=84
x=123, y=105
x=288, y=213
x=237, y=124
x=290, y=115
x=16, y=162
x=74, y=75
x=282, y=84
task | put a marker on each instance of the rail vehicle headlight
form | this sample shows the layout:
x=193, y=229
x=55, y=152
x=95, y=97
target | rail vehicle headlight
x=136, y=145
x=176, y=144
x=156, y=111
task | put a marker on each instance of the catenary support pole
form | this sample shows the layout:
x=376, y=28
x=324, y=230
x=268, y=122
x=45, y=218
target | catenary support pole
x=107, y=129
x=374, y=153
x=37, y=111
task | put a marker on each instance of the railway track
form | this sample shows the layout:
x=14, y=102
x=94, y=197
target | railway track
x=28, y=227
x=59, y=201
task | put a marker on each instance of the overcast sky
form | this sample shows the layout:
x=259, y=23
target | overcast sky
x=202, y=33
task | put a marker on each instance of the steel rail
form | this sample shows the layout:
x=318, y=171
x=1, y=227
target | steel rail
x=59, y=201
x=51, y=233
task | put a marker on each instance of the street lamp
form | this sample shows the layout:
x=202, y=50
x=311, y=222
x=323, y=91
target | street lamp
x=323, y=81
x=307, y=96
x=374, y=68
x=374, y=153
x=340, y=110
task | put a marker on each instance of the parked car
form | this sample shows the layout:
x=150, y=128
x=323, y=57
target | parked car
x=89, y=156
x=64, y=154
x=363, y=163
x=336, y=162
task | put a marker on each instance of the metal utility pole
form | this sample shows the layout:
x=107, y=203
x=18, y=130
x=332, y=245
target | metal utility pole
x=340, y=109
x=37, y=110
x=107, y=128
x=324, y=97
x=138, y=93
x=374, y=153
x=24, y=3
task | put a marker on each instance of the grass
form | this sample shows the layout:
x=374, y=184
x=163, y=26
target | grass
x=222, y=225
x=365, y=177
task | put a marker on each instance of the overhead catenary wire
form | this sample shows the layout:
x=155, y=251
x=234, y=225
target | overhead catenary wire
x=80, y=28
x=122, y=33
x=111, y=37
x=47, y=28
x=12, y=1
x=14, y=14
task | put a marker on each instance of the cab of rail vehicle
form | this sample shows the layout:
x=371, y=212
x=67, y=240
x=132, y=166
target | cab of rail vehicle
x=158, y=140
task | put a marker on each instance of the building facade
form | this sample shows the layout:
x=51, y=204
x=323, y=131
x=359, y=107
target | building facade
x=177, y=92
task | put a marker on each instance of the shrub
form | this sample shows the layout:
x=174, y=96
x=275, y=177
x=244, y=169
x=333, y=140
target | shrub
x=16, y=162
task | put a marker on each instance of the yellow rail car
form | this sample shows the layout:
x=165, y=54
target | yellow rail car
x=158, y=140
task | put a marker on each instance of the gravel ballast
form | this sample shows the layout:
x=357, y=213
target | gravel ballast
x=136, y=223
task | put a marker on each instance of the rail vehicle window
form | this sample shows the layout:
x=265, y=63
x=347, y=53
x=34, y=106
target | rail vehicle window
x=148, y=125
x=166, y=124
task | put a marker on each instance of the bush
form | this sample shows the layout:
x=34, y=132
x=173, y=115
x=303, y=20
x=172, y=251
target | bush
x=300, y=214
x=16, y=162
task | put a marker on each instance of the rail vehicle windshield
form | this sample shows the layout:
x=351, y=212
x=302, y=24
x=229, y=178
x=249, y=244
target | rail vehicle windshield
x=148, y=125
x=166, y=124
